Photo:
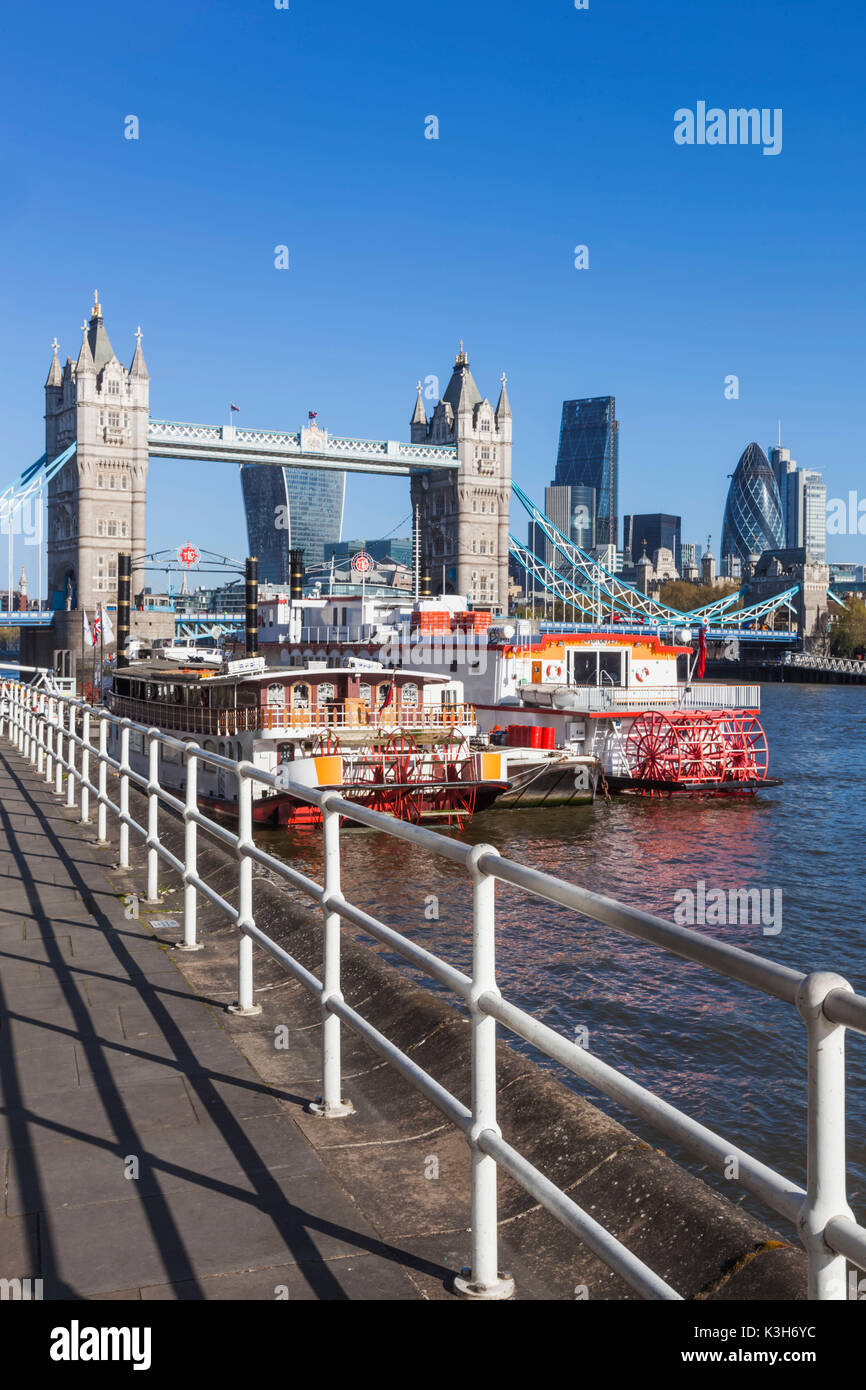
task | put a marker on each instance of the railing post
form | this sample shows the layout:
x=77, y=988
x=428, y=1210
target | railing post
x=22, y=721
x=102, y=797
x=40, y=734
x=190, y=852
x=58, y=761
x=245, y=1003
x=826, y=1196
x=123, y=799
x=152, y=817
x=49, y=740
x=70, y=757
x=85, y=768
x=484, y=1279
x=330, y=1105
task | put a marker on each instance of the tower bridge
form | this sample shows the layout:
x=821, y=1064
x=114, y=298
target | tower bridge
x=99, y=439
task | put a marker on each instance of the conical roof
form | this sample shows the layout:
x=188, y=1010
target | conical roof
x=55, y=376
x=100, y=347
x=461, y=392
x=503, y=408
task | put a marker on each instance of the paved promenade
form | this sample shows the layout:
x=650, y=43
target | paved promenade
x=142, y=1156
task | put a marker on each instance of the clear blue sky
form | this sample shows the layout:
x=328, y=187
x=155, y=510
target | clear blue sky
x=305, y=126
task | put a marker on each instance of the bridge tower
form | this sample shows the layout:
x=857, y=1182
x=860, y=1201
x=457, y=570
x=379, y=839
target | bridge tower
x=96, y=504
x=463, y=514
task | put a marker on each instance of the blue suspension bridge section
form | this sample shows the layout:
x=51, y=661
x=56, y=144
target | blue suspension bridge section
x=579, y=582
x=596, y=595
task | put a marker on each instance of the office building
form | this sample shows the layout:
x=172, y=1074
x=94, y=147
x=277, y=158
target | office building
x=588, y=457
x=753, y=510
x=651, y=531
x=397, y=548
x=572, y=511
x=807, y=514
x=289, y=508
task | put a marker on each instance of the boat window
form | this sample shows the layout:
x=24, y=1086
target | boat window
x=610, y=668
x=364, y=691
x=286, y=753
x=300, y=697
x=247, y=697
x=583, y=668
x=409, y=694
x=169, y=755
x=327, y=691
x=276, y=694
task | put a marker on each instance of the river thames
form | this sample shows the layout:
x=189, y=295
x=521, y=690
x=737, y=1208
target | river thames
x=729, y=1056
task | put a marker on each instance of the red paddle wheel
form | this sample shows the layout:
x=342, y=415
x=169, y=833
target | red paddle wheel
x=325, y=744
x=702, y=748
x=453, y=803
x=747, y=753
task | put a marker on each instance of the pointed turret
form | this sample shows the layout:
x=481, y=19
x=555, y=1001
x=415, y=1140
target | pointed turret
x=461, y=392
x=139, y=366
x=55, y=376
x=85, y=356
x=100, y=347
x=503, y=407
x=419, y=416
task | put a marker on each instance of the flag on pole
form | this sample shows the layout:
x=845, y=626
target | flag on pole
x=702, y=653
x=312, y=414
x=389, y=695
x=88, y=635
x=234, y=407
x=97, y=626
x=108, y=630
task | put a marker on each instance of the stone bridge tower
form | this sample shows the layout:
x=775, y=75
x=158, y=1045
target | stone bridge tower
x=96, y=504
x=463, y=513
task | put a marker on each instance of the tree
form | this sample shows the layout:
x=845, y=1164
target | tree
x=687, y=597
x=848, y=634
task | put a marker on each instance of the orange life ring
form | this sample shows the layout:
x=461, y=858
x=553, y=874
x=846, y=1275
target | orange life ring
x=554, y=671
x=641, y=677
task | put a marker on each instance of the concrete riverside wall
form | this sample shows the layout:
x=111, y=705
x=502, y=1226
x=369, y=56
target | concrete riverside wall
x=701, y=1243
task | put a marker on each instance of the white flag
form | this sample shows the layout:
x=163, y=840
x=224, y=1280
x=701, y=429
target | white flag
x=88, y=635
x=108, y=630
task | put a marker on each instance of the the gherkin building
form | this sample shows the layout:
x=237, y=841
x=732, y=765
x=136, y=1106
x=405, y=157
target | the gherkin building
x=753, y=511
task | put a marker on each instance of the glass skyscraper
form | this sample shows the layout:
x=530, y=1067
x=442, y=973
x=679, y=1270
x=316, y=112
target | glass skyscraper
x=651, y=531
x=289, y=508
x=588, y=457
x=753, y=511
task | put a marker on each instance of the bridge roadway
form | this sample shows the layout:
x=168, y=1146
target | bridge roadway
x=108, y=1057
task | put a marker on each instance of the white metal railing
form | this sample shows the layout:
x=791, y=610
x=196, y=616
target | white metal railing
x=598, y=698
x=45, y=729
x=847, y=664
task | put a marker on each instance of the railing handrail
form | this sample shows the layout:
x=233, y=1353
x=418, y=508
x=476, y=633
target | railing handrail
x=826, y=1002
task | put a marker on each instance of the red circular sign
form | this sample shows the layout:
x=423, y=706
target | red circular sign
x=362, y=563
x=189, y=555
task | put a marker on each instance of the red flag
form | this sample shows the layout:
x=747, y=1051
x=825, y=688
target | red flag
x=702, y=654
x=389, y=696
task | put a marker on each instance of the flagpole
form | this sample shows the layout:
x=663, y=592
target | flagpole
x=101, y=648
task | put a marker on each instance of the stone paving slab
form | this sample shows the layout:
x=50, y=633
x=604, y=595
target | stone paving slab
x=111, y=1063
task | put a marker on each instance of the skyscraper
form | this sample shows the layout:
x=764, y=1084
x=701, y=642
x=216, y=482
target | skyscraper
x=783, y=466
x=290, y=508
x=651, y=531
x=588, y=456
x=753, y=511
x=807, y=513
x=572, y=511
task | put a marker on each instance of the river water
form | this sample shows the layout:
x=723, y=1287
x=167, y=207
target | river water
x=729, y=1056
